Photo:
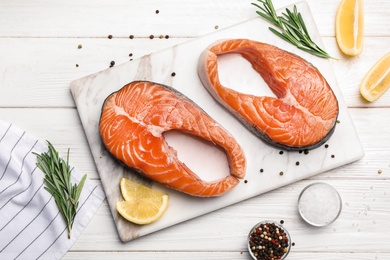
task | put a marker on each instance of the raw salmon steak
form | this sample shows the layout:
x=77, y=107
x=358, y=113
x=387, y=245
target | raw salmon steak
x=304, y=113
x=132, y=124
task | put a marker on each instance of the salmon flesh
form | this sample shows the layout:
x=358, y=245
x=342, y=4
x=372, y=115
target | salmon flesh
x=304, y=113
x=132, y=124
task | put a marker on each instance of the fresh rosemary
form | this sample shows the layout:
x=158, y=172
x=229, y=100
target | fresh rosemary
x=58, y=184
x=292, y=28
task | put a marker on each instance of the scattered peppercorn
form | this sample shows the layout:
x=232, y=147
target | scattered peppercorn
x=166, y=36
x=326, y=146
x=281, y=152
x=282, y=222
x=301, y=151
x=246, y=181
x=297, y=163
x=338, y=121
x=161, y=36
x=77, y=65
x=216, y=27
x=151, y=36
x=379, y=171
x=130, y=55
x=79, y=46
x=110, y=36
x=306, y=152
x=261, y=170
x=281, y=173
x=173, y=74
x=293, y=243
x=332, y=156
x=131, y=36
x=112, y=63
x=268, y=241
x=157, y=11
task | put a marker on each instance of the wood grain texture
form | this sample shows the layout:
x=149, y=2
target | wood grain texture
x=121, y=18
x=38, y=56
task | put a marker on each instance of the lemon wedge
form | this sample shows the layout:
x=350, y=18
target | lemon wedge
x=142, y=205
x=350, y=27
x=377, y=79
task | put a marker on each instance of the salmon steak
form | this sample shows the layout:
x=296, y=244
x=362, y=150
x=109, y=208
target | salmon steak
x=303, y=114
x=132, y=124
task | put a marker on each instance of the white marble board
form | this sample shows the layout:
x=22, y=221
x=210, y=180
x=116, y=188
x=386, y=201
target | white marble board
x=264, y=163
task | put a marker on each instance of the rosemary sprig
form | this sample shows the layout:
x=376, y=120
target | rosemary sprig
x=58, y=184
x=291, y=27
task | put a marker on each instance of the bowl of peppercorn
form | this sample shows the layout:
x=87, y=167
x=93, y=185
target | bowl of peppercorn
x=269, y=240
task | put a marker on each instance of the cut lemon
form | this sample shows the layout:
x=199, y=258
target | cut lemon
x=142, y=205
x=350, y=27
x=377, y=79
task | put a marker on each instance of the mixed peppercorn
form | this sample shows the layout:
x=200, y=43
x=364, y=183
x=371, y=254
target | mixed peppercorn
x=268, y=241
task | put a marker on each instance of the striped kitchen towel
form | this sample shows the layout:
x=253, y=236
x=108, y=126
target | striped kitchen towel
x=31, y=226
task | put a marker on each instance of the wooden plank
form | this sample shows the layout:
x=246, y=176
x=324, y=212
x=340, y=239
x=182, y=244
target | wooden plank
x=217, y=255
x=99, y=18
x=37, y=72
x=361, y=227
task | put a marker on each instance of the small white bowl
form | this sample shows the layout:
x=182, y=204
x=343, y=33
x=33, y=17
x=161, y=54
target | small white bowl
x=280, y=227
x=319, y=204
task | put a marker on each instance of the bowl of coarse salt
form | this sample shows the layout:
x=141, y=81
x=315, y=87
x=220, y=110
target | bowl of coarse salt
x=319, y=204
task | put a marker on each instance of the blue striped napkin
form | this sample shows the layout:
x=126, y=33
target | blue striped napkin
x=31, y=226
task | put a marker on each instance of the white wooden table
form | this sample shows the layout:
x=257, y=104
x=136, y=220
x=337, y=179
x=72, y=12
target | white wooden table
x=39, y=57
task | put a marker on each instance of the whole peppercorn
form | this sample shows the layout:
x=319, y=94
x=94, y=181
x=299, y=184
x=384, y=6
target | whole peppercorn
x=268, y=241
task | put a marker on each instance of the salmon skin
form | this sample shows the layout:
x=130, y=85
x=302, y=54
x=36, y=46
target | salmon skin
x=132, y=124
x=304, y=114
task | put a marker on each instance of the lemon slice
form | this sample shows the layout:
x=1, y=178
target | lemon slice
x=142, y=205
x=377, y=79
x=350, y=27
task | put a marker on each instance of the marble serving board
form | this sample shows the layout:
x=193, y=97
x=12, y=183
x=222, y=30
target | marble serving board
x=264, y=163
